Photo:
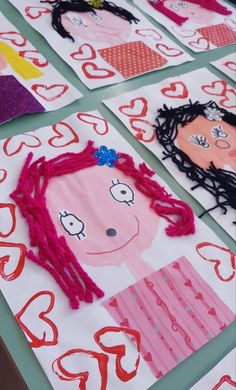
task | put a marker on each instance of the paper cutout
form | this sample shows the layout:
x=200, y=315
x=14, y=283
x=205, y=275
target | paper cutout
x=85, y=37
x=174, y=310
x=34, y=340
x=27, y=78
x=213, y=25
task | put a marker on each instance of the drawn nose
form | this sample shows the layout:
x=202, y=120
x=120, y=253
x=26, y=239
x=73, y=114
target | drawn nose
x=111, y=232
x=232, y=153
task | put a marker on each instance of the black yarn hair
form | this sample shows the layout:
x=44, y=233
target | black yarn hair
x=220, y=183
x=61, y=7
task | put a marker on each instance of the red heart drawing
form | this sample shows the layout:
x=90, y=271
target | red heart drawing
x=145, y=130
x=78, y=354
x=231, y=23
x=14, y=37
x=99, y=125
x=36, y=342
x=169, y=51
x=229, y=100
x=36, y=12
x=149, y=32
x=136, y=108
x=3, y=175
x=224, y=379
x=119, y=350
x=201, y=44
x=14, y=145
x=7, y=259
x=212, y=311
x=216, y=88
x=85, y=52
x=230, y=65
x=217, y=261
x=35, y=57
x=92, y=71
x=183, y=33
x=11, y=211
x=51, y=92
x=65, y=135
x=177, y=90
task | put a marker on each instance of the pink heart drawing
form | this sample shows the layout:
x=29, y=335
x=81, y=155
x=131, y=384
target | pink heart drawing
x=149, y=32
x=200, y=44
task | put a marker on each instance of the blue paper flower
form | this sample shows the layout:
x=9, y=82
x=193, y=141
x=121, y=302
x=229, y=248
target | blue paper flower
x=106, y=156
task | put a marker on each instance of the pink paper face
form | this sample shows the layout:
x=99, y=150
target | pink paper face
x=205, y=141
x=194, y=12
x=104, y=219
x=3, y=63
x=102, y=27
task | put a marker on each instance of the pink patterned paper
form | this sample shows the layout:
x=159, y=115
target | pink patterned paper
x=175, y=311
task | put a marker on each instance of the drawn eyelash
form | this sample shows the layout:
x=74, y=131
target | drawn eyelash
x=218, y=132
x=183, y=4
x=199, y=140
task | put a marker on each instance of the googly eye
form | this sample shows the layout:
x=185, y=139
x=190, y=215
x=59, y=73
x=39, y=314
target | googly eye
x=199, y=140
x=72, y=224
x=122, y=193
x=95, y=16
x=218, y=132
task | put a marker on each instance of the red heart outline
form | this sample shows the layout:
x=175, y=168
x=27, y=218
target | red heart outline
x=141, y=132
x=4, y=175
x=64, y=374
x=196, y=44
x=12, y=209
x=95, y=124
x=178, y=30
x=224, y=379
x=173, y=88
x=131, y=105
x=46, y=87
x=12, y=40
x=92, y=56
x=107, y=72
x=168, y=50
x=35, y=341
x=139, y=30
x=218, y=261
x=41, y=11
x=226, y=98
x=205, y=88
x=59, y=135
x=5, y=259
x=228, y=63
x=23, y=143
x=35, y=61
x=120, y=350
x=230, y=23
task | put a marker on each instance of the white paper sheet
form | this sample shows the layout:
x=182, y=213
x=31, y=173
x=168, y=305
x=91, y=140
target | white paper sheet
x=227, y=65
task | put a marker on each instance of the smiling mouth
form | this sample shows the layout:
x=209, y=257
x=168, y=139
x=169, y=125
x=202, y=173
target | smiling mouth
x=123, y=245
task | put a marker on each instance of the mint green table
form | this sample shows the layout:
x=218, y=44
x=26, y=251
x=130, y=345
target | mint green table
x=192, y=369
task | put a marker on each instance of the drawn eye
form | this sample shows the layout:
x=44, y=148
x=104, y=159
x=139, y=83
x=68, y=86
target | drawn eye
x=122, y=193
x=95, y=16
x=183, y=4
x=218, y=132
x=174, y=7
x=199, y=140
x=72, y=224
x=78, y=21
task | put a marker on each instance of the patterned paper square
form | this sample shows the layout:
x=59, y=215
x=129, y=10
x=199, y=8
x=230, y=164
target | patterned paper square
x=219, y=35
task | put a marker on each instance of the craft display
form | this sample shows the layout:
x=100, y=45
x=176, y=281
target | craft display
x=226, y=65
x=201, y=25
x=28, y=83
x=138, y=110
x=73, y=186
x=221, y=377
x=104, y=43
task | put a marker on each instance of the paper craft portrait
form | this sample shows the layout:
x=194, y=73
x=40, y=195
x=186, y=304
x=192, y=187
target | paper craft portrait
x=201, y=140
x=104, y=42
x=138, y=111
x=28, y=83
x=200, y=25
x=82, y=218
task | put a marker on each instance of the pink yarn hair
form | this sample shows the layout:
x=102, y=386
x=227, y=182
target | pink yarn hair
x=53, y=253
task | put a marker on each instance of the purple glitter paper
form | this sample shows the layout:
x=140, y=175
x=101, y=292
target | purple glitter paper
x=15, y=99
